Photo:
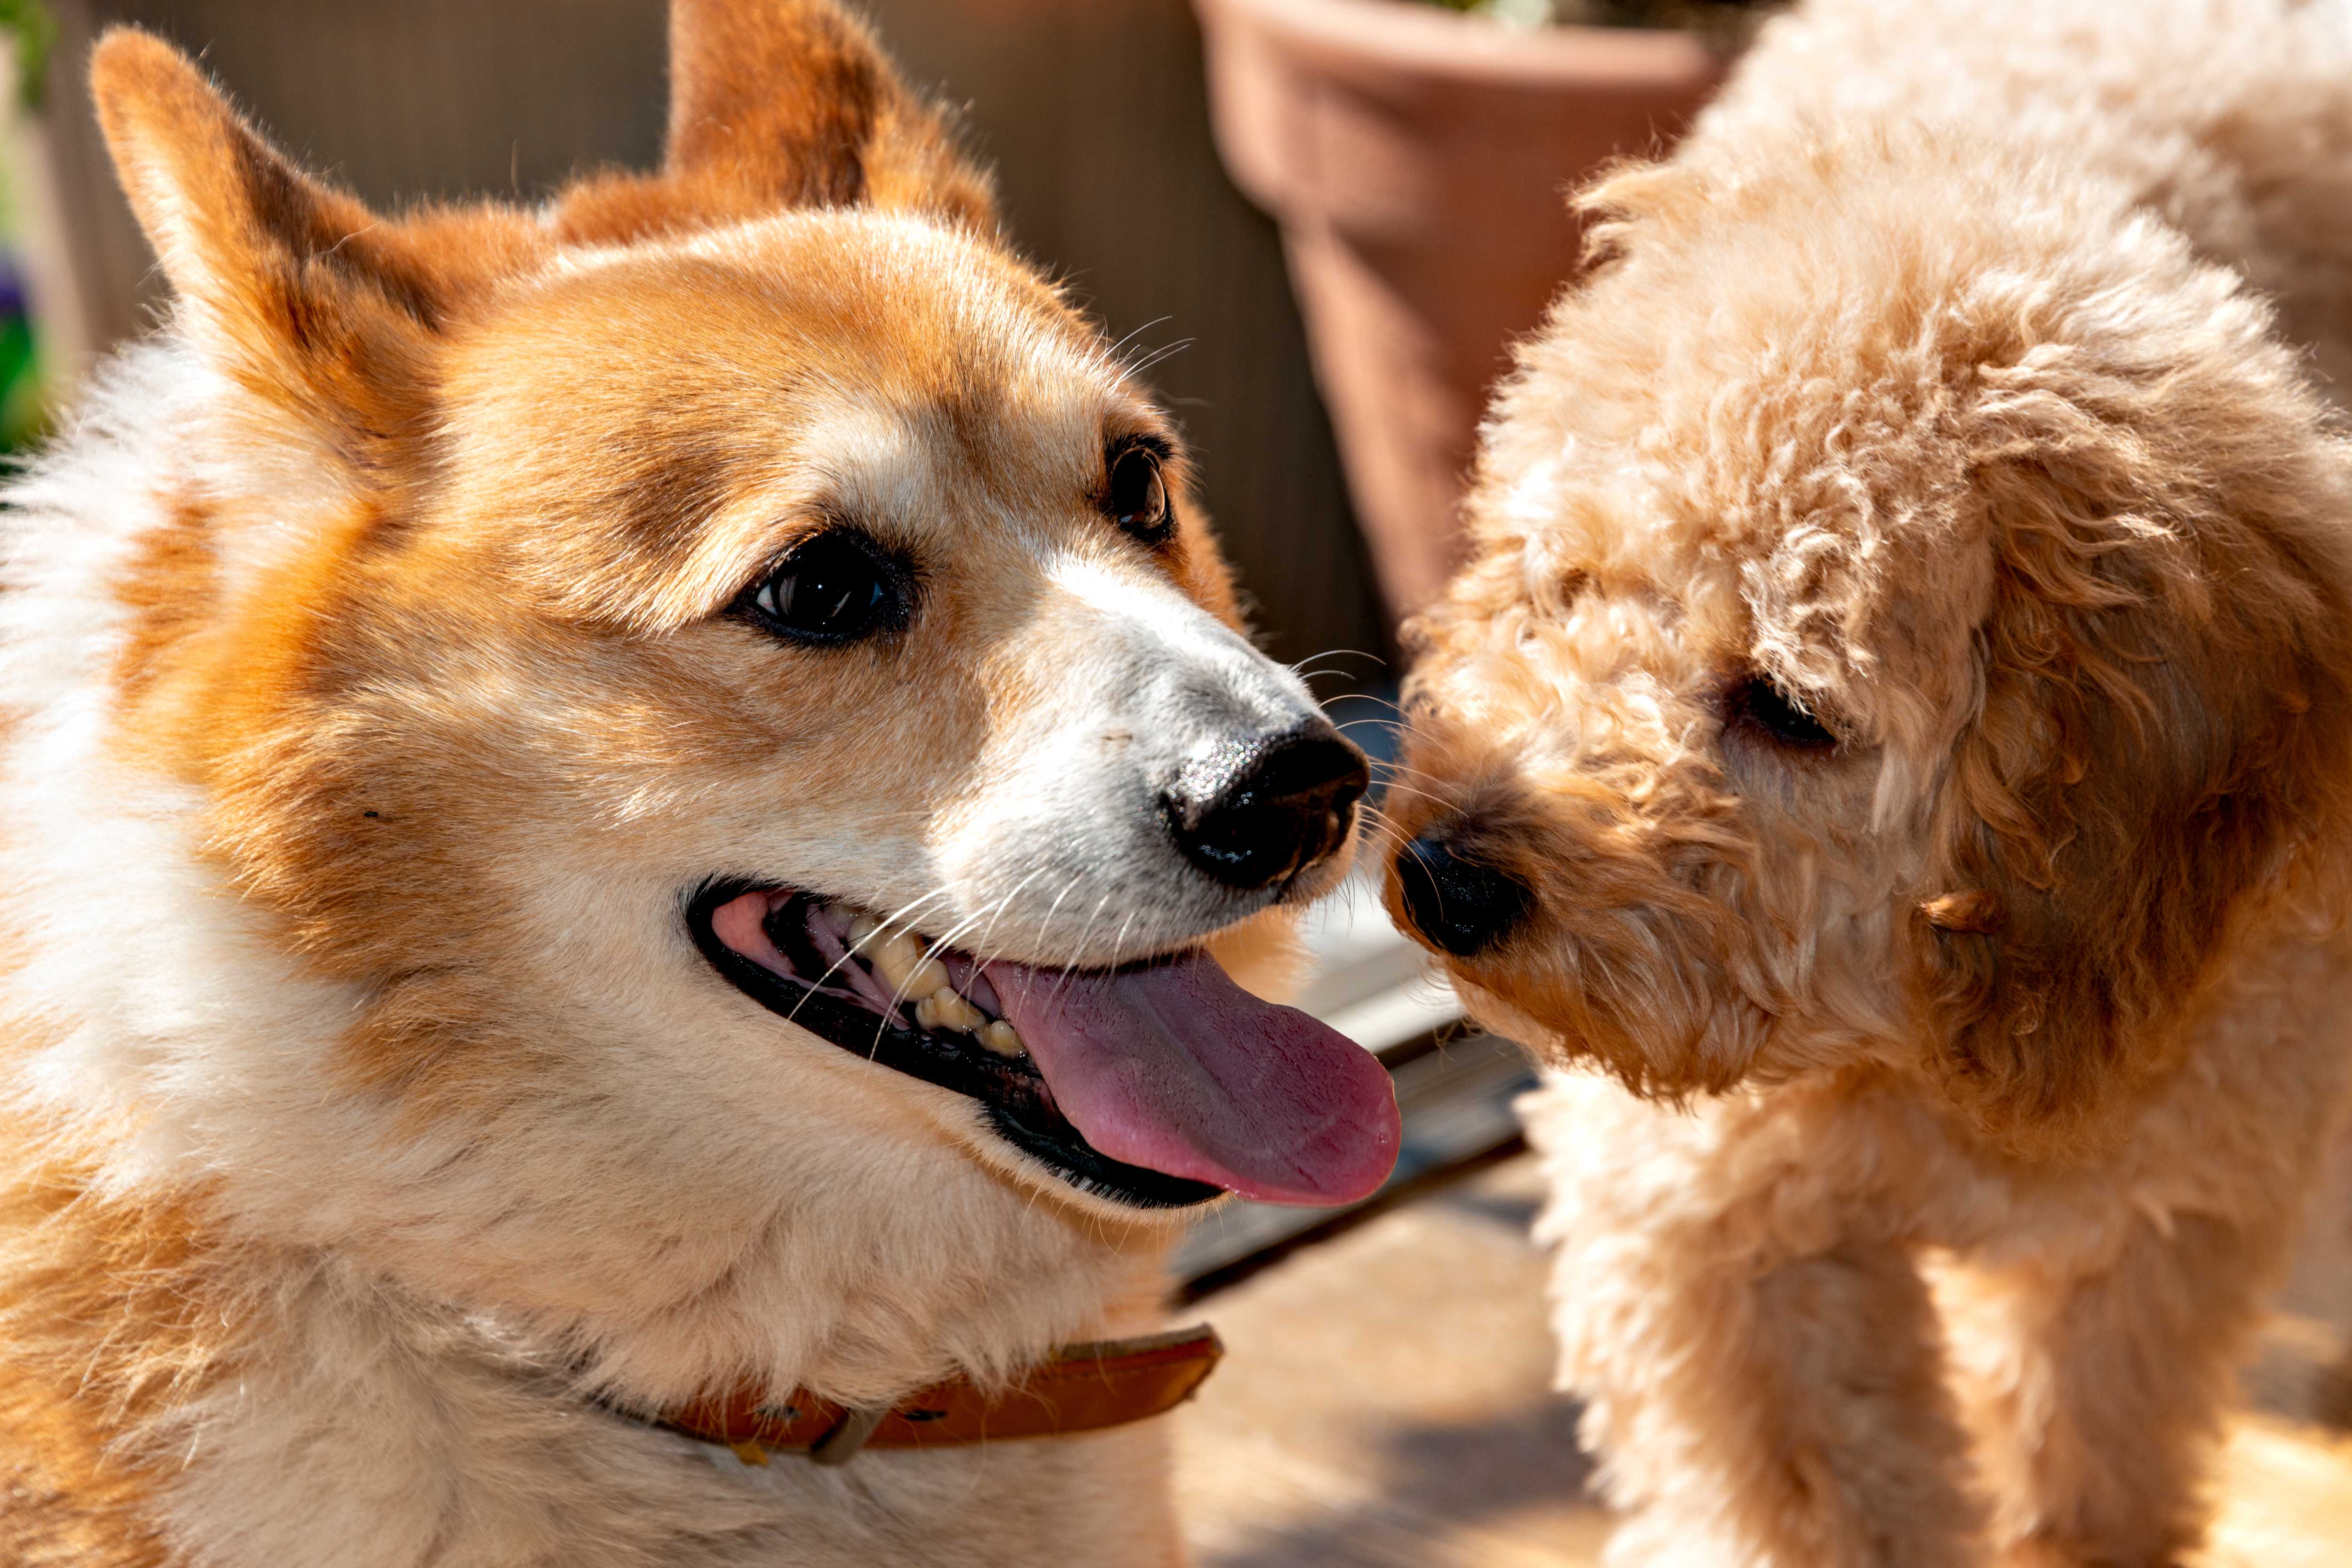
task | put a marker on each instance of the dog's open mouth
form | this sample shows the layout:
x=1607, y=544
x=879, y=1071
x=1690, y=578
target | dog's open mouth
x=1158, y=1085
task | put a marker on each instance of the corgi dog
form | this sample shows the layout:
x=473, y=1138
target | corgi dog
x=619, y=810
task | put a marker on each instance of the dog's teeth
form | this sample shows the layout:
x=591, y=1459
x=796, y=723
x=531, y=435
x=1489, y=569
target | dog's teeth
x=955, y=1012
x=898, y=958
x=895, y=956
x=1002, y=1038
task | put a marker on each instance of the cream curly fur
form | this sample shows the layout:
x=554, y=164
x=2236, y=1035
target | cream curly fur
x=1962, y=383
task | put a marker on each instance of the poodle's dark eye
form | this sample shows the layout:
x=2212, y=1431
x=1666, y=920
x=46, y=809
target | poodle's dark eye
x=1136, y=495
x=834, y=588
x=1778, y=715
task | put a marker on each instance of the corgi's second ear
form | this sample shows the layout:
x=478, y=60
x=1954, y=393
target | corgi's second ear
x=776, y=104
x=793, y=103
x=292, y=287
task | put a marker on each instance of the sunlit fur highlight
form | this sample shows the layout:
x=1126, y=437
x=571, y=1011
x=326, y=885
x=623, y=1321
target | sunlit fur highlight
x=1933, y=381
x=371, y=708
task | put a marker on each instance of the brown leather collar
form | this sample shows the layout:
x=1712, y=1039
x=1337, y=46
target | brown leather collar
x=1082, y=1388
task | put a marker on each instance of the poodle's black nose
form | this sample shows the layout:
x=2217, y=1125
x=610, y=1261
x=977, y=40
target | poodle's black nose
x=1252, y=812
x=1461, y=905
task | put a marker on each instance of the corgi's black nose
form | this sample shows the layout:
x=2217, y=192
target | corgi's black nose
x=1250, y=813
x=1461, y=905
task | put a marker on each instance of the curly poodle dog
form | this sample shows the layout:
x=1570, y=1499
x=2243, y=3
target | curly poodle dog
x=1898, y=723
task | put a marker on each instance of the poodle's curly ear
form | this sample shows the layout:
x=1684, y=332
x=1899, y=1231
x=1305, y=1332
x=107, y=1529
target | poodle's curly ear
x=2162, y=736
x=777, y=104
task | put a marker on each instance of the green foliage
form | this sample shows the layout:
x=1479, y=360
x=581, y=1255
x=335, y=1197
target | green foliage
x=35, y=32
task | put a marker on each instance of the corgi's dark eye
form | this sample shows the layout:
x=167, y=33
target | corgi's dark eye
x=1778, y=715
x=1137, y=495
x=834, y=588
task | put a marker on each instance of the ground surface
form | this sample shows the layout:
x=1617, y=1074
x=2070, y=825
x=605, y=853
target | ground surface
x=1386, y=1404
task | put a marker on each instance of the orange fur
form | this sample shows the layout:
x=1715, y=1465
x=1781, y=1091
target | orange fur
x=111, y=1311
x=394, y=669
x=168, y=589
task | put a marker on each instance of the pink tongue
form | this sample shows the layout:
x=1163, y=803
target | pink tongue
x=1176, y=1068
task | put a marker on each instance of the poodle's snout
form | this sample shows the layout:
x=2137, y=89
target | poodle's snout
x=1462, y=906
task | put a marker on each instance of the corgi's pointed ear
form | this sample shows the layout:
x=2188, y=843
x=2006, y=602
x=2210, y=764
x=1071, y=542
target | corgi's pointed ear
x=283, y=281
x=782, y=103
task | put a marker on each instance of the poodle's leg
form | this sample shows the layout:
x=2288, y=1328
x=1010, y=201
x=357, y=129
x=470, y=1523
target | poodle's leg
x=2100, y=1390
x=1757, y=1354
x=2124, y=1295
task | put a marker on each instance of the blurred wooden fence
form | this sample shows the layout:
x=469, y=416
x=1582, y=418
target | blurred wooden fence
x=1092, y=109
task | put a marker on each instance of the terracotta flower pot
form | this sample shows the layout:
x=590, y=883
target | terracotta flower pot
x=1417, y=160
